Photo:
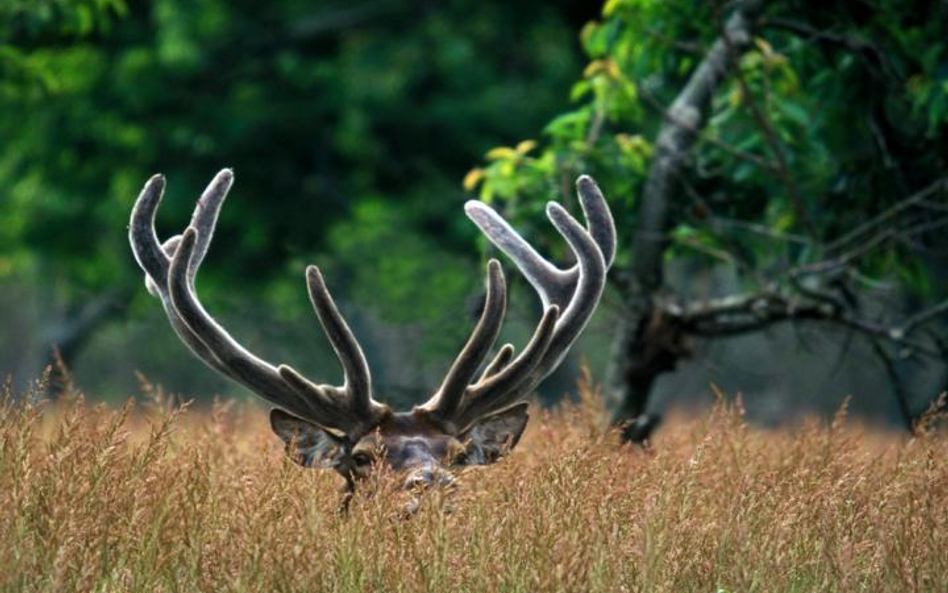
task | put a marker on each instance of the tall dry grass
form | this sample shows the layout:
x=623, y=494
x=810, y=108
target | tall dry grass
x=151, y=498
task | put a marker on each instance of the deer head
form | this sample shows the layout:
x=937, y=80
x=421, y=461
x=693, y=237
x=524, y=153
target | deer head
x=473, y=418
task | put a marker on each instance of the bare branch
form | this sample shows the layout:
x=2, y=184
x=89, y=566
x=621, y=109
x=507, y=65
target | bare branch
x=829, y=266
x=690, y=48
x=702, y=137
x=674, y=142
x=761, y=229
x=898, y=386
x=886, y=216
x=919, y=319
x=849, y=42
x=746, y=313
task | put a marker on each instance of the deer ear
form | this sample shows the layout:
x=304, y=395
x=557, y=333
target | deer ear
x=306, y=443
x=494, y=436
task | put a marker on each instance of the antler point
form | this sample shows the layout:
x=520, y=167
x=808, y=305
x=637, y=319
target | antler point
x=313, y=274
x=555, y=210
x=154, y=185
x=476, y=210
x=289, y=373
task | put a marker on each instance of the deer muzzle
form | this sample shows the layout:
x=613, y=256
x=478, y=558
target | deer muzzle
x=422, y=478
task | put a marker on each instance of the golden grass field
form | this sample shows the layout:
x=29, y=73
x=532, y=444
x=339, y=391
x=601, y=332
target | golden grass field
x=144, y=498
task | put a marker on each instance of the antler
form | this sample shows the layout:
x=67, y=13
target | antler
x=568, y=296
x=170, y=269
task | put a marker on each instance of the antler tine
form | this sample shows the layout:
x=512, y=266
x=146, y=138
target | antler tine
x=153, y=258
x=331, y=407
x=170, y=270
x=241, y=365
x=555, y=333
x=500, y=360
x=358, y=377
x=444, y=404
x=503, y=388
x=598, y=217
x=591, y=281
x=568, y=296
x=204, y=217
x=141, y=232
x=551, y=283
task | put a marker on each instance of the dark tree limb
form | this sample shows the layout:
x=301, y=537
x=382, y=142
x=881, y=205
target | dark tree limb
x=675, y=140
x=726, y=147
x=746, y=313
x=915, y=321
x=879, y=62
x=69, y=335
x=766, y=126
x=898, y=386
x=886, y=218
x=64, y=339
x=643, y=350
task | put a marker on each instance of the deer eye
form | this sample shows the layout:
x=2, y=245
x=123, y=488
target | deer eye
x=457, y=455
x=361, y=459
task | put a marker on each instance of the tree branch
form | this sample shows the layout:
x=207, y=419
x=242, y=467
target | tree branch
x=68, y=335
x=920, y=197
x=745, y=313
x=898, y=386
x=770, y=134
x=675, y=140
x=919, y=319
x=726, y=147
x=853, y=44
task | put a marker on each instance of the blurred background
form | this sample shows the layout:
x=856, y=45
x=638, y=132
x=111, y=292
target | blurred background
x=776, y=170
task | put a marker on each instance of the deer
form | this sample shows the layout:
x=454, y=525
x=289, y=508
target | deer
x=476, y=415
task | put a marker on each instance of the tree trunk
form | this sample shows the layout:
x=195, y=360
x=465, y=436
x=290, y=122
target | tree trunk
x=64, y=338
x=647, y=343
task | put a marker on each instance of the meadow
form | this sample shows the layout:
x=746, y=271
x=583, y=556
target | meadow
x=158, y=497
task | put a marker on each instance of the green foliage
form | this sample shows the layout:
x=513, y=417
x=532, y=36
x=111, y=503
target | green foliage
x=26, y=23
x=321, y=111
x=349, y=128
x=835, y=113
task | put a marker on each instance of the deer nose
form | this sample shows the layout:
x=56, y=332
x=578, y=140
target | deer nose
x=425, y=477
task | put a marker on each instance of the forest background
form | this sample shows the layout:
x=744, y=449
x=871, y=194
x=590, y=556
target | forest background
x=777, y=172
